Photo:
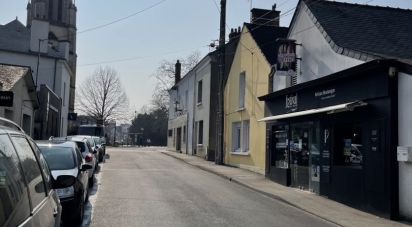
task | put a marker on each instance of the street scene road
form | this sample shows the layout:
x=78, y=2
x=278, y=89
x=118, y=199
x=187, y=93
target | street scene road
x=143, y=187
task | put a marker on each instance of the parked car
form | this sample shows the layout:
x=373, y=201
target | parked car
x=85, y=150
x=64, y=158
x=93, y=145
x=101, y=146
x=26, y=194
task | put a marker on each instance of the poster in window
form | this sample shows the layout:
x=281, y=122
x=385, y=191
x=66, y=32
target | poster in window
x=286, y=58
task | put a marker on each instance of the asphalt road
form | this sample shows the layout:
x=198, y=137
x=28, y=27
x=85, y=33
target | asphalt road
x=142, y=187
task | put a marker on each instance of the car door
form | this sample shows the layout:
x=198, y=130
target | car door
x=42, y=213
x=14, y=198
x=52, y=197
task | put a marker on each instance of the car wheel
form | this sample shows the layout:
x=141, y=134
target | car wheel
x=78, y=220
x=91, y=181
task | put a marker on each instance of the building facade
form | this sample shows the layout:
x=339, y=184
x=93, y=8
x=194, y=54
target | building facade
x=334, y=126
x=244, y=136
x=48, y=61
x=18, y=81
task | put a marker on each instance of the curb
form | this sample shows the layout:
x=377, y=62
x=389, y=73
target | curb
x=275, y=197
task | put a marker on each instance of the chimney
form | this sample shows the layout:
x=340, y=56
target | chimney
x=234, y=33
x=178, y=68
x=265, y=16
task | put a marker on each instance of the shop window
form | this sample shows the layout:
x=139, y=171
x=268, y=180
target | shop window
x=280, y=156
x=348, y=145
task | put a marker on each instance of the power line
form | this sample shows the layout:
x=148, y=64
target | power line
x=121, y=19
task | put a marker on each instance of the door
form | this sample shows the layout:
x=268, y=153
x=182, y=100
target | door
x=179, y=139
x=299, y=156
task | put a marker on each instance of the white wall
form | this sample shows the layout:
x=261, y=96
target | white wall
x=21, y=105
x=318, y=58
x=405, y=139
x=46, y=76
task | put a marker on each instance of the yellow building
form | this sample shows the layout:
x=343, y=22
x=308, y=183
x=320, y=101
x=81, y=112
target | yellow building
x=244, y=136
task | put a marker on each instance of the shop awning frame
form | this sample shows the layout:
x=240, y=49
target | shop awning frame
x=329, y=110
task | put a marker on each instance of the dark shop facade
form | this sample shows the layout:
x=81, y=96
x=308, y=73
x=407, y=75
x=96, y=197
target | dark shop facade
x=337, y=137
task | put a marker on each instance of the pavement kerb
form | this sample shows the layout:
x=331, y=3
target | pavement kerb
x=239, y=182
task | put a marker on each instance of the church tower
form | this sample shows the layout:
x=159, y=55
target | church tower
x=61, y=15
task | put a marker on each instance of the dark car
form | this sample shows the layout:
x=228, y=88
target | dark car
x=65, y=159
x=86, y=151
x=26, y=194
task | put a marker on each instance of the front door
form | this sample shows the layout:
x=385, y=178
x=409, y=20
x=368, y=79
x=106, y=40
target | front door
x=178, y=139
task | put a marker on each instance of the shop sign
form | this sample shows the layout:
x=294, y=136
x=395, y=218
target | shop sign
x=286, y=59
x=326, y=94
x=291, y=102
x=6, y=98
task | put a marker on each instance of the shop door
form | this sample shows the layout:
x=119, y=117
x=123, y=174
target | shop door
x=299, y=157
x=304, y=143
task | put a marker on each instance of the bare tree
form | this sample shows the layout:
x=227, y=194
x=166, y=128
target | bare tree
x=165, y=75
x=102, y=97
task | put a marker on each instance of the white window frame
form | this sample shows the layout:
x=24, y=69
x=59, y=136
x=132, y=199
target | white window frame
x=240, y=137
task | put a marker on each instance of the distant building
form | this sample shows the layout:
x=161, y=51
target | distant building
x=18, y=81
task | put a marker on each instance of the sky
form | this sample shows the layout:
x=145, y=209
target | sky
x=168, y=31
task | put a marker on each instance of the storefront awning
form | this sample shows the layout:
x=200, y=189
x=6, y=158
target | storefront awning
x=330, y=109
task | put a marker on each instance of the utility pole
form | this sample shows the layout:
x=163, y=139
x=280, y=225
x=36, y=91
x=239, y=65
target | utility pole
x=220, y=116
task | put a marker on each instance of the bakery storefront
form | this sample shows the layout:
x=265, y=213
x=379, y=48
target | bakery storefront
x=336, y=136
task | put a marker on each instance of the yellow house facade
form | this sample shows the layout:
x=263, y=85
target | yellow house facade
x=244, y=135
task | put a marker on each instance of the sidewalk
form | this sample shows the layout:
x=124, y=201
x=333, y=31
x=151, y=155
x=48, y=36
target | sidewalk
x=319, y=206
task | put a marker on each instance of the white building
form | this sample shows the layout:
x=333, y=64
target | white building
x=189, y=110
x=19, y=45
x=18, y=80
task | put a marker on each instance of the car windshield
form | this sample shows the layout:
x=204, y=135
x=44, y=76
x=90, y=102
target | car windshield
x=58, y=158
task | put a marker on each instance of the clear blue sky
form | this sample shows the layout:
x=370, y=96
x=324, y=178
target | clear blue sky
x=179, y=26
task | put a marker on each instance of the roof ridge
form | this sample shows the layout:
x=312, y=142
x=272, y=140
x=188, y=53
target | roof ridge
x=310, y=2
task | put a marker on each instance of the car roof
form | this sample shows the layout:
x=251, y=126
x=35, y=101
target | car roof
x=44, y=143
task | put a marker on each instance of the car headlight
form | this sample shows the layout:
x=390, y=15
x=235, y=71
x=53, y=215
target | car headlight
x=65, y=192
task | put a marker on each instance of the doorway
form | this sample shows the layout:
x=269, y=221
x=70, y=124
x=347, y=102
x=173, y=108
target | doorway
x=179, y=139
x=304, y=156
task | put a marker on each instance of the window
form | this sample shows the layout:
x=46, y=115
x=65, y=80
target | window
x=236, y=134
x=240, y=136
x=280, y=155
x=199, y=91
x=43, y=165
x=242, y=88
x=200, y=132
x=31, y=170
x=59, y=158
x=348, y=145
x=13, y=192
x=170, y=132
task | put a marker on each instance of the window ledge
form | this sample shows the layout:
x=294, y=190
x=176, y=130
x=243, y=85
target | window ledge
x=199, y=104
x=240, y=109
x=241, y=153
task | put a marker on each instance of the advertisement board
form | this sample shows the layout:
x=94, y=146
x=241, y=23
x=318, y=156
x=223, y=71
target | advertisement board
x=286, y=58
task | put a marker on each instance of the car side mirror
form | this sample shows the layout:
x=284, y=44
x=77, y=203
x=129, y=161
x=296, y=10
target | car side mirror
x=64, y=181
x=85, y=167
